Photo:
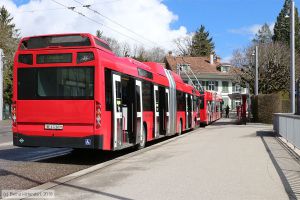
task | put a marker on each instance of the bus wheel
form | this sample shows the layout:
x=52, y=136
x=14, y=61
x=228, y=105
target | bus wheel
x=180, y=128
x=142, y=143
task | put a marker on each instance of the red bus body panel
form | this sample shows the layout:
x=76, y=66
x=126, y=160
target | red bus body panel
x=78, y=117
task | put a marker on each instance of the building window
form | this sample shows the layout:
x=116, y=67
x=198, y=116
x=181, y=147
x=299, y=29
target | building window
x=210, y=85
x=236, y=88
x=203, y=83
x=225, y=68
x=225, y=87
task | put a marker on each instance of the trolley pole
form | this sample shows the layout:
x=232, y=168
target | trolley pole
x=1, y=83
x=256, y=70
x=292, y=66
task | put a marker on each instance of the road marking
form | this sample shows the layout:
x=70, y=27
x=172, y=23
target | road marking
x=6, y=144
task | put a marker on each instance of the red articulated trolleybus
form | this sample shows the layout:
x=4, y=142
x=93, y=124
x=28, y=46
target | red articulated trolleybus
x=70, y=90
x=211, y=107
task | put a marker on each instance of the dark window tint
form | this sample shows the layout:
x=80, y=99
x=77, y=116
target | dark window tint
x=167, y=102
x=147, y=96
x=195, y=103
x=157, y=100
x=108, y=89
x=202, y=102
x=102, y=44
x=55, y=41
x=56, y=83
x=118, y=96
x=180, y=97
x=54, y=58
x=189, y=102
x=126, y=100
x=145, y=73
x=138, y=98
x=26, y=59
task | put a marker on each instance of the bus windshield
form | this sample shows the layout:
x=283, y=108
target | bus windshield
x=60, y=41
x=56, y=83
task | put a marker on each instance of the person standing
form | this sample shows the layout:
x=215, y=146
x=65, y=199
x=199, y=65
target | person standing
x=227, y=111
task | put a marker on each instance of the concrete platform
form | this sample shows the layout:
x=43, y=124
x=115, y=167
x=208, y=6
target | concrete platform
x=221, y=161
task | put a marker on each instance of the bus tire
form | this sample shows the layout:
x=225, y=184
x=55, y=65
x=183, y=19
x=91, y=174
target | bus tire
x=143, y=141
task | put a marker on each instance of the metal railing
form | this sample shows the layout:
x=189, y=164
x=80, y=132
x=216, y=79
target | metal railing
x=288, y=126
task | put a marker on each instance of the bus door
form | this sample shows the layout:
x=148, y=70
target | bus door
x=139, y=111
x=186, y=112
x=162, y=111
x=117, y=112
x=167, y=119
x=188, y=108
x=208, y=111
x=156, y=111
x=192, y=122
x=123, y=103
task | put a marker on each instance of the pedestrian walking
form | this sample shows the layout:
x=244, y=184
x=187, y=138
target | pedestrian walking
x=227, y=111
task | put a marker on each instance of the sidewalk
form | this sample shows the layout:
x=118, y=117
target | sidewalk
x=5, y=123
x=222, y=161
x=5, y=133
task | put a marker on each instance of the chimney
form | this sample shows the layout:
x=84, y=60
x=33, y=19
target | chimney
x=211, y=59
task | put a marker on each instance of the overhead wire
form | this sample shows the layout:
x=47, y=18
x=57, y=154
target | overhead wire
x=88, y=6
x=51, y=9
x=91, y=19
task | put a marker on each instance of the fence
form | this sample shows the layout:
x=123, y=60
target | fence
x=287, y=125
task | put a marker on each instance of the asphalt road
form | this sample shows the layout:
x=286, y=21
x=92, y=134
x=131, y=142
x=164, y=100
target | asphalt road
x=23, y=168
x=27, y=167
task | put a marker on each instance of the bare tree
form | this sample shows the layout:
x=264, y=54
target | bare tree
x=183, y=45
x=274, y=72
x=125, y=49
x=156, y=54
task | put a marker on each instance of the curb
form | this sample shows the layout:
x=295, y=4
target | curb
x=100, y=166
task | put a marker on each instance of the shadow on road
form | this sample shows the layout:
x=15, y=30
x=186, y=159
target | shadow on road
x=285, y=161
x=224, y=122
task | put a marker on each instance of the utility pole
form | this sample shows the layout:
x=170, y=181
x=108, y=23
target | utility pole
x=1, y=83
x=256, y=70
x=292, y=66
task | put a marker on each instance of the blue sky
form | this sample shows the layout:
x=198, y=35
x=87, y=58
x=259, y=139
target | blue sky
x=230, y=22
x=223, y=17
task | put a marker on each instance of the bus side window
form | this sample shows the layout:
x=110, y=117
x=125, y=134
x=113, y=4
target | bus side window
x=108, y=90
x=148, y=96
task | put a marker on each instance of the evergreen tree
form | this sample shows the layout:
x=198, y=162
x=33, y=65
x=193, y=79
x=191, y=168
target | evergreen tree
x=282, y=26
x=8, y=42
x=202, y=43
x=264, y=35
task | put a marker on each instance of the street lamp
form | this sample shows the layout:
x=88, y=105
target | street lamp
x=292, y=67
x=255, y=53
x=291, y=15
x=1, y=83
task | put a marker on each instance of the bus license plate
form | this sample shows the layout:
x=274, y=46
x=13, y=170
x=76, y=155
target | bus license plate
x=54, y=127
